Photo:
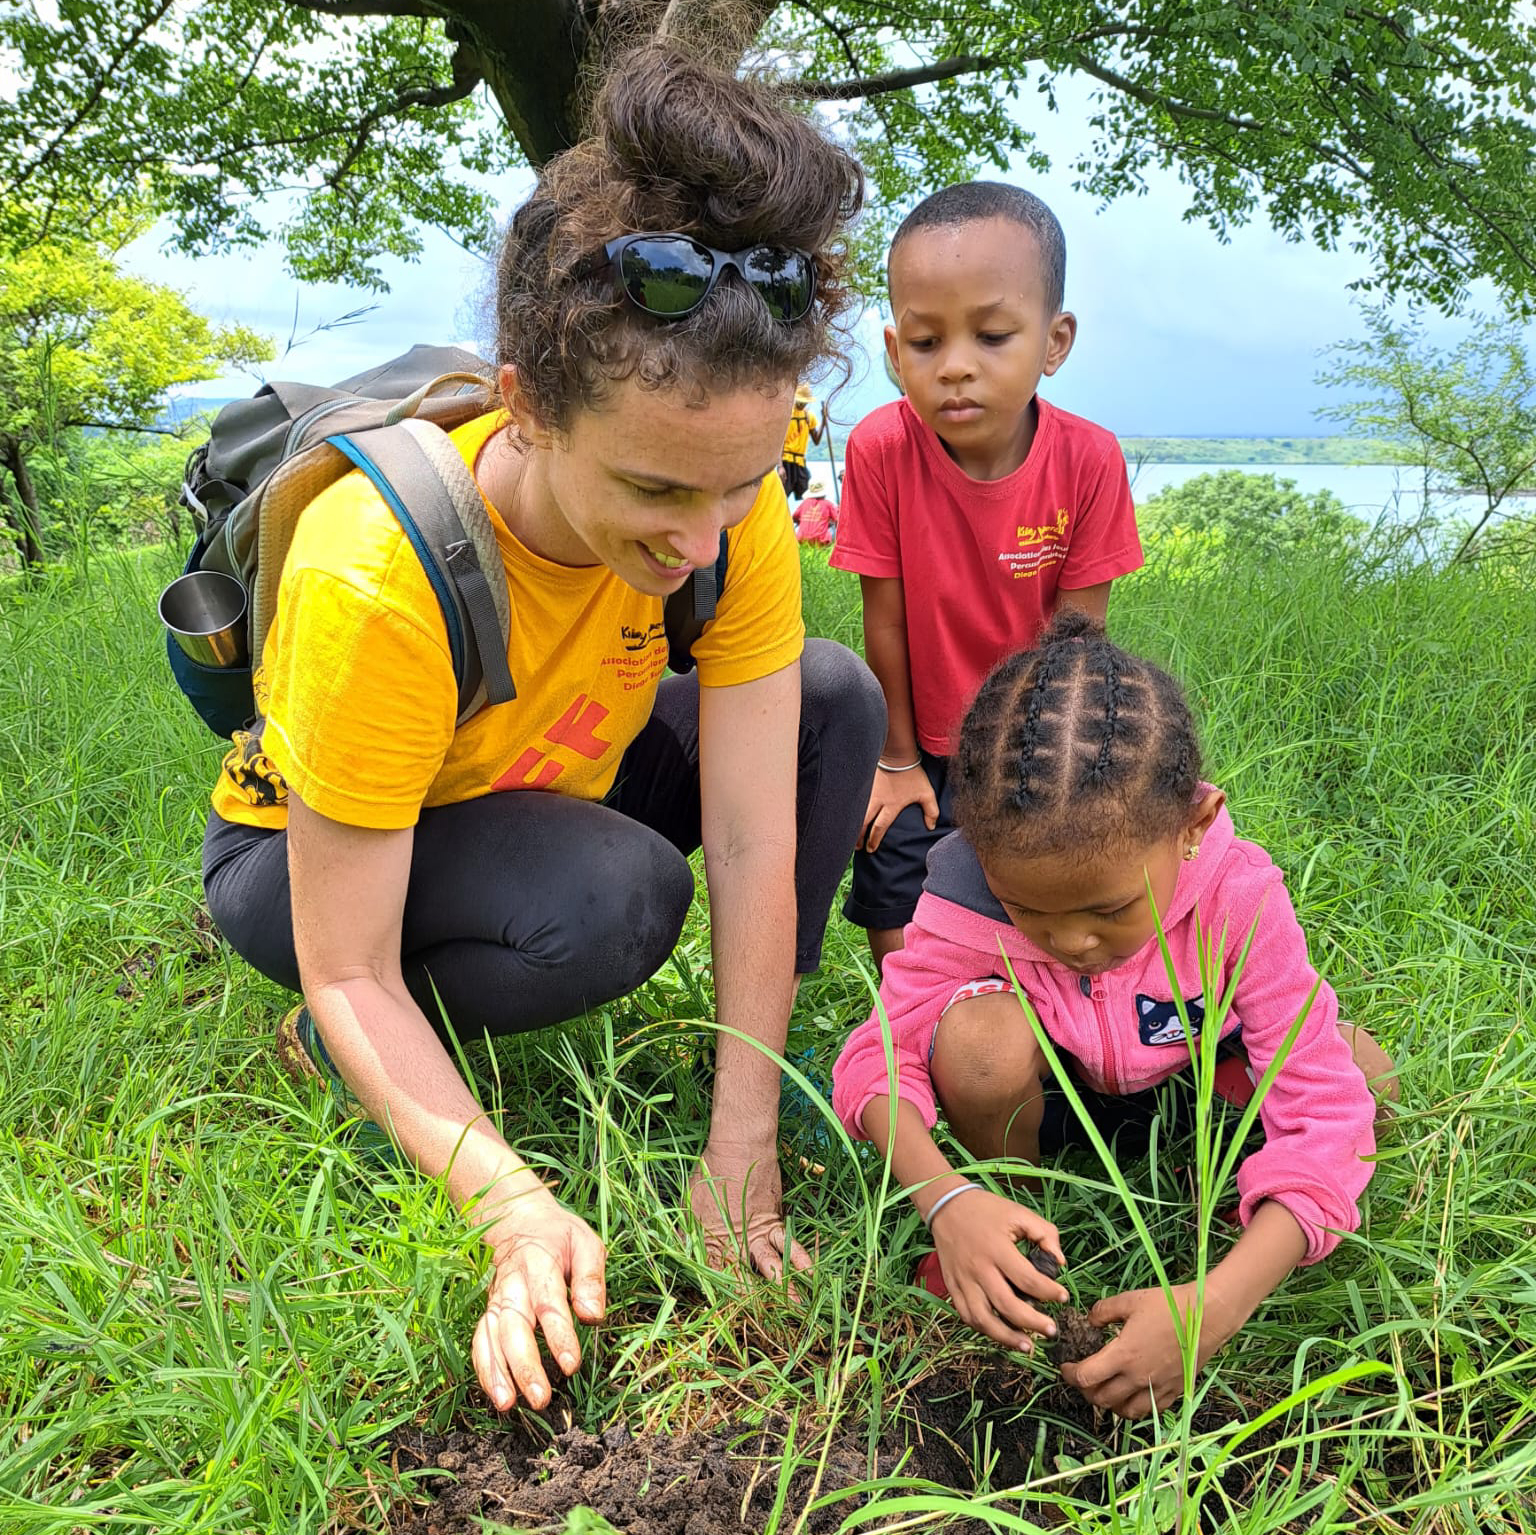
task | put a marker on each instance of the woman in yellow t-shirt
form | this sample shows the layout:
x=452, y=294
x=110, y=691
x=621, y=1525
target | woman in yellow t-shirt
x=657, y=298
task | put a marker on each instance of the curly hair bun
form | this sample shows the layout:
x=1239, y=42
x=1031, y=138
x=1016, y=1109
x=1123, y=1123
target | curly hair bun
x=674, y=145
x=711, y=154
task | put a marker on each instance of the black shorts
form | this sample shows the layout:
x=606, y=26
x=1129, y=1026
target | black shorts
x=522, y=910
x=1125, y=1120
x=887, y=882
x=797, y=479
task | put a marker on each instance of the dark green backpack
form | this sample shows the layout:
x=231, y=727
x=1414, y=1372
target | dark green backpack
x=268, y=457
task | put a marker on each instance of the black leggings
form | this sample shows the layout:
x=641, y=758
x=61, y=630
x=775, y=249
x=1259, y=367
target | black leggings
x=525, y=909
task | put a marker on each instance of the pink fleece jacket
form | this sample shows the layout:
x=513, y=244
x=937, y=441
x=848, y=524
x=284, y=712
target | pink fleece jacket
x=1122, y=1032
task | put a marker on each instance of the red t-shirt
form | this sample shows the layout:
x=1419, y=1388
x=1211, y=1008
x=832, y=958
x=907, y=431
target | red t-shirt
x=815, y=520
x=981, y=560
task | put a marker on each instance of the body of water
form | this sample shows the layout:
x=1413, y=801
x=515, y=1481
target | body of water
x=1367, y=490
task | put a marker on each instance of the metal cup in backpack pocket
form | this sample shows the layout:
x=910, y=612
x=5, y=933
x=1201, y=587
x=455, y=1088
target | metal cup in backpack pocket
x=204, y=611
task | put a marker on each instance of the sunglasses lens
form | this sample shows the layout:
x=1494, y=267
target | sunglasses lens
x=786, y=279
x=666, y=276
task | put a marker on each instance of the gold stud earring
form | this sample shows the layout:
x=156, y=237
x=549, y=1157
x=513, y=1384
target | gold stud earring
x=1192, y=851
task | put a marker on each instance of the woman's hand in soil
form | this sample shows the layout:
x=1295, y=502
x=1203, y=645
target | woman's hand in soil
x=546, y=1261
x=889, y=796
x=1141, y=1370
x=736, y=1196
x=977, y=1235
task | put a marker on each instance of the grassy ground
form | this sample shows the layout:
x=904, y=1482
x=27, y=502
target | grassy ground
x=212, y=1315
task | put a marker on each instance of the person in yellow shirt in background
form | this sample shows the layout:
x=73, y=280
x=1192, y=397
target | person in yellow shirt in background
x=804, y=429
x=408, y=875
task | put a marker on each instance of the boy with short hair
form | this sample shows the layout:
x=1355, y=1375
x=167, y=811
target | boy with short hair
x=971, y=508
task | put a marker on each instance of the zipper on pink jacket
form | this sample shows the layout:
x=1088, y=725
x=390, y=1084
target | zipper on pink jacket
x=1085, y=985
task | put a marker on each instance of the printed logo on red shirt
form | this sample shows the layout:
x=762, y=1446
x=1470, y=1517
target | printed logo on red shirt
x=1039, y=546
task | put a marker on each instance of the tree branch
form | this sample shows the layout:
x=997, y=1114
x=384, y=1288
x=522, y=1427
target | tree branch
x=854, y=63
x=894, y=80
x=466, y=76
x=98, y=86
x=1150, y=98
x=1334, y=154
x=350, y=8
x=128, y=426
x=539, y=104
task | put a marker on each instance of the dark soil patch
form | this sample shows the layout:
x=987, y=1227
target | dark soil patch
x=997, y=1421
x=1076, y=1337
x=201, y=946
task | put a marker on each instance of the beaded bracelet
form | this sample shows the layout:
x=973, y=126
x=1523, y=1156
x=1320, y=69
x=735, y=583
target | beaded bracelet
x=906, y=767
x=944, y=1199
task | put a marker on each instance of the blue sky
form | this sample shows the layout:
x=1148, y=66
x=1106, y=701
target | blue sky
x=1178, y=333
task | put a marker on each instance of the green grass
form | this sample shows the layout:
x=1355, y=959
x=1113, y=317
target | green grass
x=212, y=1315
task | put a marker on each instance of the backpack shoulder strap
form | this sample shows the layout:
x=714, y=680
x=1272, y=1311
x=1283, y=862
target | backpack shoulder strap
x=692, y=606
x=423, y=479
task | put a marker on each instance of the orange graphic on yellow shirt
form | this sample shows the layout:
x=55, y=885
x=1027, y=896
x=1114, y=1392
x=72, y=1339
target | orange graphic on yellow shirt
x=576, y=729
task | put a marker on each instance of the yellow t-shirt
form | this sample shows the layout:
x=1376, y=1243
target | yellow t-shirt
x=798, y=438
x=356, y=683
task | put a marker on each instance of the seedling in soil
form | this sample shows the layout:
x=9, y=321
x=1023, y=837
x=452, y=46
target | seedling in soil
x=1076, y=1337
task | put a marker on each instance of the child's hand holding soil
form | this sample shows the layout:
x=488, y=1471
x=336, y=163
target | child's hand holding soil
x=1141, y=1369
x=977, y=1236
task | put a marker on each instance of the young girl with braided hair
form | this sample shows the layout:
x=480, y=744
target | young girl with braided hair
x=1083, y=821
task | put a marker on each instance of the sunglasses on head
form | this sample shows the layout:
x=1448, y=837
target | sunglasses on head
x=670, y=275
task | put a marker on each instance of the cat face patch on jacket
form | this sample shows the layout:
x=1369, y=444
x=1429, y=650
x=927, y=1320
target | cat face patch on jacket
x=1159, y=1023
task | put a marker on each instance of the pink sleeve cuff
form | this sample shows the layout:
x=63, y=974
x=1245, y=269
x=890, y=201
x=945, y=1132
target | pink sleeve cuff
x=1315, y=1222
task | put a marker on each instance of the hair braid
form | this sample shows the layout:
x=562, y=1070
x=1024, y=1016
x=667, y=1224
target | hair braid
x=1073, y=746
x=1025, y=740
x=1099, y=771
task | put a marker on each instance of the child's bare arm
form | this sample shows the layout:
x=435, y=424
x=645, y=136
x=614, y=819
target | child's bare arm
x=1092, y=600
x=1142, y=1369
x=885, y=649
x=976, y=1232
x=915, y=1159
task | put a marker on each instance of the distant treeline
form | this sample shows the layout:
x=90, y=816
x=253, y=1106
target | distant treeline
x=1224, y=450
x=1261, y=450
x=1138, y=450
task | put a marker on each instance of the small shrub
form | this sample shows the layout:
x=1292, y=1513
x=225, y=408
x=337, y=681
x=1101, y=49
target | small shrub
x=1201, y=525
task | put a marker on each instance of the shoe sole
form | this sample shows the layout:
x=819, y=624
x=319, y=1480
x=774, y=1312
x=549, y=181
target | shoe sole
x=297, y=1063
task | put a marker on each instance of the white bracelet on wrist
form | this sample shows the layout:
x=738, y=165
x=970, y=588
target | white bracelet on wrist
x=944, y=1199
x=891, y=767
